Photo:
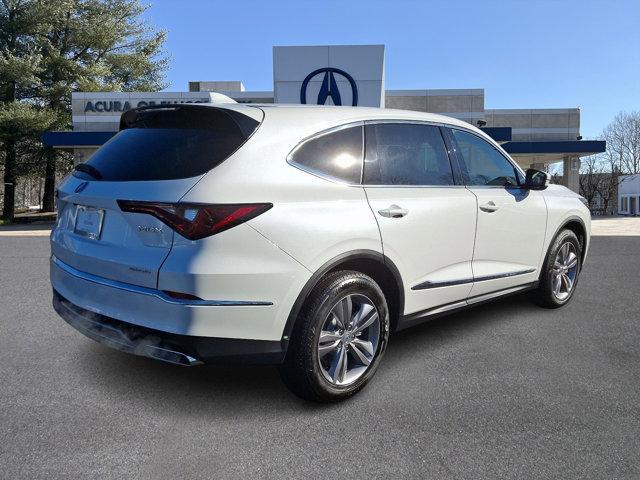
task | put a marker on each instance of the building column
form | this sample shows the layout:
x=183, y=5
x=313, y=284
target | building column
x=571, y=173
x=540, y=166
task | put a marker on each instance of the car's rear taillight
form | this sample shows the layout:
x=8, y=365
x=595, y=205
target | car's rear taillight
x=195, y=220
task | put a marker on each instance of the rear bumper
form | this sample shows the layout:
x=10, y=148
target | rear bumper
x=150, y=308
x=185, y=350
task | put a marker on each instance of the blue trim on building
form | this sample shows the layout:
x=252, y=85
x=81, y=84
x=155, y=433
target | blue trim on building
x=499, y=134
x=569, y=147
x=76, y=139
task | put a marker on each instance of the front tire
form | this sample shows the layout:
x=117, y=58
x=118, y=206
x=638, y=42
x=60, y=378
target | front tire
x=339, y=338
x=560, y=271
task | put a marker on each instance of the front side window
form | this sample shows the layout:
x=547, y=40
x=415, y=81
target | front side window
x=405, y=154
x=482, y=163
x=337, y=154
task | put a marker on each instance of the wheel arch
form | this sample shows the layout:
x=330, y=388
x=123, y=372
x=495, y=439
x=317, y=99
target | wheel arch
x=577, y=226
x=369, y=262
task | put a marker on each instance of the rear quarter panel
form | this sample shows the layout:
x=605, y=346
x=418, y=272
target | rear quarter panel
x=313, y=219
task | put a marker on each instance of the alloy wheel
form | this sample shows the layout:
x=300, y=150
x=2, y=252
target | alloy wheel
x=564, y=271
x=349, y=339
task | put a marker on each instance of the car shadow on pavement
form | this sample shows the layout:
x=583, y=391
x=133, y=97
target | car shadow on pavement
x=225, y=388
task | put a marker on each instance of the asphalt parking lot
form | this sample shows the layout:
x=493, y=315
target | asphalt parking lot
x=506, y=390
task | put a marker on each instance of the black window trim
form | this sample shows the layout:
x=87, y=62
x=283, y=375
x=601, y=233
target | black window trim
x=459, y=160
x=318, y=173
x=445, y=131
x=457, y=178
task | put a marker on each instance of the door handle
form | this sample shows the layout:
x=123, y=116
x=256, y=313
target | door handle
x=394, y=211
x=489, y=207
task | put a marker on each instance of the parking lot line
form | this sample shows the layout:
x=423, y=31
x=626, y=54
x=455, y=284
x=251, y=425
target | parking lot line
x=25, y=233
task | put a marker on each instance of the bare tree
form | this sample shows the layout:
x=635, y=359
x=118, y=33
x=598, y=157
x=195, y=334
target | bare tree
x=591, y=177
x=608, y=191
x=623, y=142
x=599, y=183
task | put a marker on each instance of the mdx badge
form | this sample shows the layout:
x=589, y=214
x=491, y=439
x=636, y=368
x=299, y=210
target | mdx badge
x=149, y=229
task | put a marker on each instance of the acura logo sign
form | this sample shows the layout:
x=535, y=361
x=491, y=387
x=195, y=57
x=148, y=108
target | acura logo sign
x=329, y=87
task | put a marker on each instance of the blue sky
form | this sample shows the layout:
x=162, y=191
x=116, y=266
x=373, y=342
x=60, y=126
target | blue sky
x=525, y=54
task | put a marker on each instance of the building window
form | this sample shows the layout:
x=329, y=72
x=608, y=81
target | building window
x=596, y=202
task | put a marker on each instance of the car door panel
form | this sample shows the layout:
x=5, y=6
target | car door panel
x=511, y=220
x=432, y=245
x=508, y=240
x=426, y=221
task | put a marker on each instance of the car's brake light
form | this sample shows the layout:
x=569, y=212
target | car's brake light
x=193, y=220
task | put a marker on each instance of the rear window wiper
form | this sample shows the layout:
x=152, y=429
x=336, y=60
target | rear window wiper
x=89, y=170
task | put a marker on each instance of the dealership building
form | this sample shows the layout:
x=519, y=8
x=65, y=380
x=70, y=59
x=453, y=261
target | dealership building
x=352, y=75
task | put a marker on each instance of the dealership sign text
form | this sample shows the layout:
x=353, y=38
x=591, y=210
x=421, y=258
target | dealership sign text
x=101, y=106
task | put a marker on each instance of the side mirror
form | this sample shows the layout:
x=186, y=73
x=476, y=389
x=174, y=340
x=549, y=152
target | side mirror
x=536, y=179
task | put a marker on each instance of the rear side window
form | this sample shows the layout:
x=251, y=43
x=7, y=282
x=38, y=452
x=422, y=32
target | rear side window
x=336, y=154
x=170, y=143
x=482, y=163
x=406, y=154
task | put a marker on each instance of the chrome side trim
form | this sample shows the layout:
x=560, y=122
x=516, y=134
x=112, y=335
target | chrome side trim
x=414, y=121
x=152, y=292
x=462, y=281
x=421, y=316
x=370, y=185
x=503, y=275
x=444, y=283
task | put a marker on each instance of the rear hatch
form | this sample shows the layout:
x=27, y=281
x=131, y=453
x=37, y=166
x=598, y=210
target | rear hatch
x=157, y=156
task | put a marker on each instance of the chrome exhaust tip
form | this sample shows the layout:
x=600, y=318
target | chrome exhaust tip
x=135, y=340
x=169, y=356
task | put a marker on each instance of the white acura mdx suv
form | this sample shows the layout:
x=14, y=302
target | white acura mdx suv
x=300, y=235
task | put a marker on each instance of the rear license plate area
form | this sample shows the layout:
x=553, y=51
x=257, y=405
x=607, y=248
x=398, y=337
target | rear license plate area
x=88, y=222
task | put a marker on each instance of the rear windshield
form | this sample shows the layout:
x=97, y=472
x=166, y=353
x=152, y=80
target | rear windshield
x=169, y=143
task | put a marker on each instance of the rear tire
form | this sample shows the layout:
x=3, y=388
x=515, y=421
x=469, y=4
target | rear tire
x=339, y=338
x=560, y=271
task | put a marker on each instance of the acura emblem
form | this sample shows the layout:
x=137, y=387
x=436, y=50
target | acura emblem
x=329, y=87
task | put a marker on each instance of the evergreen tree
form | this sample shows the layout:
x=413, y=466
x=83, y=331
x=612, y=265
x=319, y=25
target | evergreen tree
x=50, y=49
